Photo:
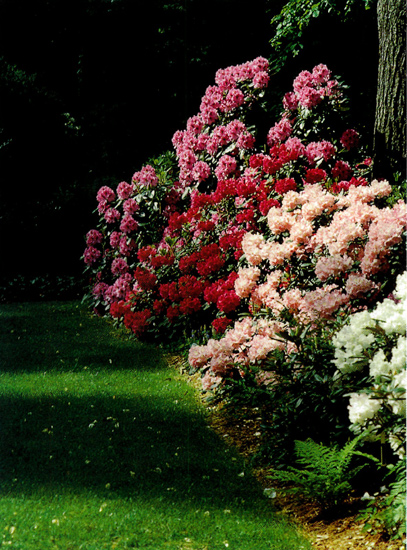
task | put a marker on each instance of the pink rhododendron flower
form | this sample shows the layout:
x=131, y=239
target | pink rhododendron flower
x=290, y=101
x=321, y=74
x=319, y=150
x=100, y=289
x=234, y=99
x=201, y=171
x=226, y=166
x=121, y=286
x=126, y=246
x=295, y=147
x=91, y=255
x=119, y=266
x=358, y=285
x=114, y=239
x=128, y=224
x=124, y=190
x=195, y=124
x=93, y=237
x=309, y=97
x=130, y=206
x=146, y=177
x=105, y=194
x=305, y=78
x=261, y=79
x=279, y=132
x=112, y=215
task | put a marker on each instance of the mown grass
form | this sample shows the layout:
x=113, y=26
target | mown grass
x=103, y=446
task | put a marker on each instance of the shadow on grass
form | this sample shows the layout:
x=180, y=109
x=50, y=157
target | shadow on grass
x=137, y=443
x=129, y=447
x=64, y=336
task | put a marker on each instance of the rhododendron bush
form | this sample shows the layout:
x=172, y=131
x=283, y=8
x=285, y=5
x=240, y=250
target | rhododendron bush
x=371, y=348
x=237, y=239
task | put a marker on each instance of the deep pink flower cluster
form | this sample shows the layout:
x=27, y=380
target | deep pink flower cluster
x=147, y=177
x=212, y=129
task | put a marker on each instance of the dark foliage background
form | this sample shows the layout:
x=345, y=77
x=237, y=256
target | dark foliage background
x=90, y=89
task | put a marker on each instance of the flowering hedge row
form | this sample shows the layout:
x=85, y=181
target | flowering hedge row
x=233, y=238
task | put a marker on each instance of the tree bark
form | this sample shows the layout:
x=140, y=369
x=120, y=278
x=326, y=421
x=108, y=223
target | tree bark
x=390, y=120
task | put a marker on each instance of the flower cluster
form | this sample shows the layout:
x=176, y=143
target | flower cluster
x=318, y=259
x=373, y=343
x=169, y=242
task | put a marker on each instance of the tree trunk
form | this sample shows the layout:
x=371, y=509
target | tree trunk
x=390, y=121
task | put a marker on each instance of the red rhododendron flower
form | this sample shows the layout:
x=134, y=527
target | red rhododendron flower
x=137, y=321
x=350, y=139
x=158, y=307
x=172, y=313
x=221, y=324
x=341, y=171
x=145, y=278
x=228, y=301
x=284, y=185
x=189, y=305
x=144, y=254
x=118, y=309
x=315, y=175
x=265, y=206
x=176, y=221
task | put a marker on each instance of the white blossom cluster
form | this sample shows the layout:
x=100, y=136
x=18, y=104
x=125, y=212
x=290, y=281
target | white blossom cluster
x=358, y=347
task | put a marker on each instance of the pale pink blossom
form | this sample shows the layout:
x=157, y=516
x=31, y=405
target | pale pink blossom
x=292, y=299
x=246, y=281
x=279, y=220
x=357, y=285
x=279, y=252
x=323, y=302
x=254, y=248
x=300, y=231
x=332, y=266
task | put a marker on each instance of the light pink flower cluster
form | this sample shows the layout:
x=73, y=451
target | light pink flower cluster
x=338, y=234
x=346, y=252
x=247, y=343
x=248, y=277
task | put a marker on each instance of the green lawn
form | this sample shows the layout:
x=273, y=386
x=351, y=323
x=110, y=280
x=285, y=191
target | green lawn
x=103, y=446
